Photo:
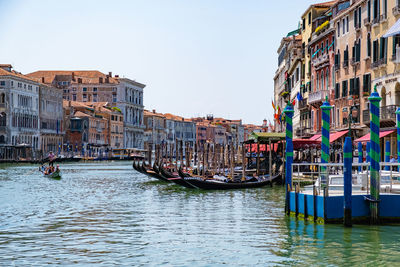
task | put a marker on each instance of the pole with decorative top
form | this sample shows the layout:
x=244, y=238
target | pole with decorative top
x=288, y=111
x=398, y=133
x=374, y=100
x=326, y=116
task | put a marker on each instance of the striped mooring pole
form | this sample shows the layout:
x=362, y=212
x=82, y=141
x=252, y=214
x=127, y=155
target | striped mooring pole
x=326, y=116
x=374, y=100
x=348, y=164
x=368, y=152
x=360, y=155
x=398, y=133
x=288, y=111
x=387, y=154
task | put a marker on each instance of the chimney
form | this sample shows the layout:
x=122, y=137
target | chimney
x=116, y=76
x=42, y=79
x=100, y=79
x=154, y=111
x=79, y=80
x=110, y=74
x=73, y=76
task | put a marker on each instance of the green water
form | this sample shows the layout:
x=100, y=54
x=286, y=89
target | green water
x=106, y=213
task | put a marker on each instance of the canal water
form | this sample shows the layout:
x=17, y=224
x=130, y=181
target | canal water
x=106, y=213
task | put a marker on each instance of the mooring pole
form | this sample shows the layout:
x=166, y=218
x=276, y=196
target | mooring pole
x=387, y=155
x=348, y=164
x=398, y=135
x=326, y=117
x=289, y=153
x=360, y=155
x=368, y=152
x=374, y=100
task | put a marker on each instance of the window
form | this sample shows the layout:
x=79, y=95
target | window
x=94, y=97
x=369, y=10
x=369, y=45
x=84, y=89
x=2, y=83
x=344, y=88
x=343, y=26
x=337, y=91
x=383, y=49
x=74, y=97
x=367, y=83
x=375, y=49
x=94, y=89
x=338, y=29
x=309, y=18
x=304, y=24
x=347, y=24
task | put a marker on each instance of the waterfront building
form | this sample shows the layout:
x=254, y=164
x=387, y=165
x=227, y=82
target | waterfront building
x=51, y=118
x=307, y=28
x=352, y=65
x=94, y=86
x=19, y=108
x=154, y=131
x=385, y=63
x=130, y=102
x=179, y=128
x=287, y=79
x=322, y=48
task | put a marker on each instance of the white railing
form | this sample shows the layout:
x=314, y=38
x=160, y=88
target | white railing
x=332, y=178
x=318, y=96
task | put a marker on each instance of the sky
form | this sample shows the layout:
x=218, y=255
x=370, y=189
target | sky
x=196, y=57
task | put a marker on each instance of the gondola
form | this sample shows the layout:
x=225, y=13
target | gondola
x=54, y=175
x=200, y=183
x=174, y=178
x=151, y=173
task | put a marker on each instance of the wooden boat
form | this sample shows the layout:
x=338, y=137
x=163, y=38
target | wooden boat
x=174, y=178
x=55, y=175
x=200, y=183
x=151, y=173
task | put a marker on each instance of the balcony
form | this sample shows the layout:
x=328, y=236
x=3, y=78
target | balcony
x=396, y=10
x=303, y=131
x=318, y=97
x=378, y=63
x=376, y=21
x=383, y=18
x=3, y=128
x=354, y=61
x=345, y=63
x=321, y=61
x=396, y=57
x=303, y=103
x=387, y=116
x=367, y=22
x=2, y=105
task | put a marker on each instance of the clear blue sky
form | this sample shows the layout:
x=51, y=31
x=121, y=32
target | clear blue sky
x=196, y=57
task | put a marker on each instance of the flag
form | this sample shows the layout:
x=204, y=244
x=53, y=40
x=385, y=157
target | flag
x=299, y=96
x=294, y=102
x=273, y=105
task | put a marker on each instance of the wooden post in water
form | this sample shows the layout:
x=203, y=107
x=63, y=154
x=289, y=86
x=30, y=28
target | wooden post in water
x=223, y=159
x=270, y=159
x=181, y=152
x=232, y=161
x=204, y=160
x=258, y=158
x=195, y=155
x=243, y=162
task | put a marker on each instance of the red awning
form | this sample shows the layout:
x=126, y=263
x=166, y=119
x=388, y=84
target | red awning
x=315, y=137
x=366, y=138
x=334, y=136
x=305, y=143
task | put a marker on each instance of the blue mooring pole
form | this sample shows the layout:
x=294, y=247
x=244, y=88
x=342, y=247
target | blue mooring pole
x=387, y=155
x=360, y=155
x=288, y=153
x=348, y=164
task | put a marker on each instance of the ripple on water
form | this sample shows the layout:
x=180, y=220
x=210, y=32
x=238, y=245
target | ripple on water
x=106, y=213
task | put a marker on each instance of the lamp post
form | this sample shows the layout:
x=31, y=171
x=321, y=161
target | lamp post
x=353, y=112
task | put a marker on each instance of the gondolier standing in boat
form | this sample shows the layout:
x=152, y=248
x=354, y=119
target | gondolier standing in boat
x=51, y=157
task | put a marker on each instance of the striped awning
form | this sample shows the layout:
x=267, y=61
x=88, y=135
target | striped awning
x=394, y=30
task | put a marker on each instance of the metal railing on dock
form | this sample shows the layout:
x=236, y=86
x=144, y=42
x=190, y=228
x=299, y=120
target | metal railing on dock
x=317, y=177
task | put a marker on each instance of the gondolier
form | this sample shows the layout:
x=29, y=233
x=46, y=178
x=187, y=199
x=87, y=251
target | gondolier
x=51, y=158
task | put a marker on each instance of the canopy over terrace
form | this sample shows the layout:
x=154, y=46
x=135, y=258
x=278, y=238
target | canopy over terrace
x=366, y=138
x=272, y=139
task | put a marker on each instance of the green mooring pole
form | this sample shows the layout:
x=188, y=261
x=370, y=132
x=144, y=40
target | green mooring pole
x=374, y=100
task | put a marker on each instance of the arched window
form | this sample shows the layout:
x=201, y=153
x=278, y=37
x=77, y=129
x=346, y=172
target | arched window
x=2, y=139
x=3, y=119
x=322, y=80
x=327, y=79
x=2, y=98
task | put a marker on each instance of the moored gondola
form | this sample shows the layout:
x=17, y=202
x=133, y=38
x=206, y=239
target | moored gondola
x=174, y=178
x=200, y=183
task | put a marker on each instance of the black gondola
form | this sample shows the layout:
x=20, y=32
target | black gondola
x=174, y=178
x=198, y=182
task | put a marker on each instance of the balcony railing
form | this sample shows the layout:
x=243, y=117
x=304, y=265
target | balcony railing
x=354, y=61
x=367, y=21
x=301, y=131
x=303, y=103
x=386, y=113
x=376, y=20
x=396, y=10
x=2, y=105
x=396, y=57
x=318, y=96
